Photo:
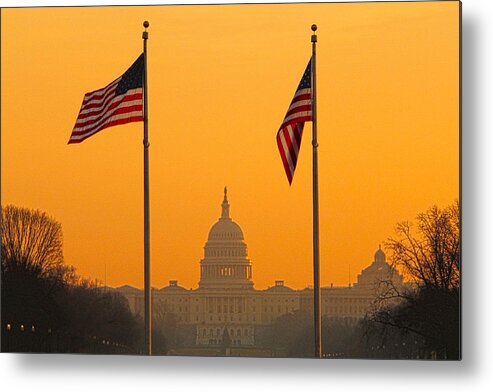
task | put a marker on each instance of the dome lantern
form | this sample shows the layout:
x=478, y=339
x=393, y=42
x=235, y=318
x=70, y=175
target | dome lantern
x=225, y=205
x=379, y=255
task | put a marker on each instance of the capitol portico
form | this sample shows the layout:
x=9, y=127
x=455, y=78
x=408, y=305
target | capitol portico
x=227, y=310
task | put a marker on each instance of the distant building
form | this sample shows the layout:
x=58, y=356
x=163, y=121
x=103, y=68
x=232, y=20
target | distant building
x=226, y=309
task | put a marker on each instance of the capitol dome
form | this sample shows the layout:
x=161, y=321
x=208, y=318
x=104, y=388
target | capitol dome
x=378, y=273
x=225, y=228
x=225, y=263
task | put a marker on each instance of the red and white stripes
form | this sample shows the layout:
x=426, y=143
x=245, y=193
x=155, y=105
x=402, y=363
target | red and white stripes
x=103, y=108
x=291, y=130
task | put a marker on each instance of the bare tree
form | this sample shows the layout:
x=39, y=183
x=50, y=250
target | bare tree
x=62, y=311
x=430, y=257
x=428, y=254
x=31, y=241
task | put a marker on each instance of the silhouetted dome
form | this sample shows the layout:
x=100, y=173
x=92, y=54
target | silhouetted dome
x=378, y=273
x=379, y=255
x=225, y=228
x=225, y=263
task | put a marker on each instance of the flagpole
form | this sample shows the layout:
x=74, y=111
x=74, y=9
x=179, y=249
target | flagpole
x=316, y=250
x=147, y=243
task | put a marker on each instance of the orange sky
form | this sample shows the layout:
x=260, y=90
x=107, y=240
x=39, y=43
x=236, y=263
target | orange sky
x=220, y=81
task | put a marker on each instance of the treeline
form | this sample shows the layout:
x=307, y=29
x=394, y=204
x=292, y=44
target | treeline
x=47, y=307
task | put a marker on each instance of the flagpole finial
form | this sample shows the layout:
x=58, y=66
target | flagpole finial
x=314, y=35
x=144, y=33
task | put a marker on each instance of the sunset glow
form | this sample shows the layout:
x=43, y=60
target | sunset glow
x=220, y=81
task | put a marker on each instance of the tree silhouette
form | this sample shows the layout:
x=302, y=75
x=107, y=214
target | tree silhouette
x=32, y=267
x=31, y=242
x=46, y=306
x=428, y=254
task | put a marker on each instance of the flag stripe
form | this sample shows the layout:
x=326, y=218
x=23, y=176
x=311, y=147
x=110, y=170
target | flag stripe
x=122, y=100
x=98, y=93
x=109, y=122
x=88, y=127
x=301, y=103
x=301, y=97
x=120, y=121
x=286, y=153
x=284, y=159
x=298, y=133
x=296, y=116
x=95, y=105
x=293, y=139
x=101, y=95
x=303, y=91
x=299, y=108
x=290, y=152
x=133, y=106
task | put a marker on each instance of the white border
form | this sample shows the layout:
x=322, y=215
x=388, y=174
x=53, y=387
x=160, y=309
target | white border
x=474, y=373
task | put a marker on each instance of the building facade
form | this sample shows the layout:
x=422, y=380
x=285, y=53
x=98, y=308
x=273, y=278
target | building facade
x=226, y=309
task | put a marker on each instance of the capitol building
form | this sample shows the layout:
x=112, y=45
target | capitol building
x=227, y=309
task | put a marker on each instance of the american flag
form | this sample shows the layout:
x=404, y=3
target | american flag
x=120, y=102
x=291, y=129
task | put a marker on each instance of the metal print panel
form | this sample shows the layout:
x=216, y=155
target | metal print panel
x=176, y=180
